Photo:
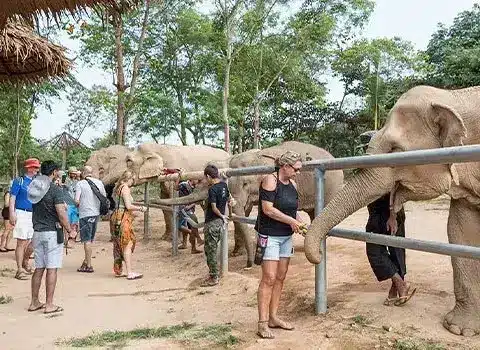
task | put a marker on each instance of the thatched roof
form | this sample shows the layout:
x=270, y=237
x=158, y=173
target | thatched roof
x=29, y=9
x=27, y=57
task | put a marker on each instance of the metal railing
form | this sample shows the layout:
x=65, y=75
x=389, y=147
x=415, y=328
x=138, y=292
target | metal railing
x=449, y=155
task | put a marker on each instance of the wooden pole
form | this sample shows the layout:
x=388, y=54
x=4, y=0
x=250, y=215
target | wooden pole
x=146, y=215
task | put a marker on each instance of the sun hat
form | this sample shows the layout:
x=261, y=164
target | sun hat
x=288, y=158
x=72, y=170
x=32, y=163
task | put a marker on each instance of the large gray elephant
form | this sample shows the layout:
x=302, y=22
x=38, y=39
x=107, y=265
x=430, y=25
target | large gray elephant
x=245, y=189
x=424, y=117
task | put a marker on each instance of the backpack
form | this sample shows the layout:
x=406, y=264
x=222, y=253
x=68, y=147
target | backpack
x=104, y=202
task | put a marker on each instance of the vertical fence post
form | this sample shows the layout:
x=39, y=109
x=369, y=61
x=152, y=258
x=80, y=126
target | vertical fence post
x=224, y=249
x=320, y=269
x=174, y=223
x=146, y=215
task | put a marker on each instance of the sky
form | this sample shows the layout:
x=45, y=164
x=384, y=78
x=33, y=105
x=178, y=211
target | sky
x=412, y=20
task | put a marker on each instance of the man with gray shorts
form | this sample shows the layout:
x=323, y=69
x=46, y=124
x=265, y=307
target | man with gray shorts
x=49, y=216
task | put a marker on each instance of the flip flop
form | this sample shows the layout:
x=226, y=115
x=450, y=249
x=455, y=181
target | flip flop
x=291, y=328
x=42, y=306
x=389, y=301
x=58, y=309
x=21, y=276
x=403, y=300
x=3, y=250
x=135, y=276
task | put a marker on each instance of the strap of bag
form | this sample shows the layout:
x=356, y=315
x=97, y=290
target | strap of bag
x=92, y=186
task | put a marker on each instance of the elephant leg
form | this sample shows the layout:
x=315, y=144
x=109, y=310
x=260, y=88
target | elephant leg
x=167, y=215
x=463, y=224
x=239, y=247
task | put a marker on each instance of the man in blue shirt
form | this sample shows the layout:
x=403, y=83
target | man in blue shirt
x=21, y=217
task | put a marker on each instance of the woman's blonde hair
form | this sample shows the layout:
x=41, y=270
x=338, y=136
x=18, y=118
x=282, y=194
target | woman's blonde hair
x=127, y=175
x=288, y=158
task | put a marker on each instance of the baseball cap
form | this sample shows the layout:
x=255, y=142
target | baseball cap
x=32, y=163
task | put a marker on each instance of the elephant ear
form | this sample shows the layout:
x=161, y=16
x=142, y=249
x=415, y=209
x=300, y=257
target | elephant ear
x=152, y=166
x=451, y=126
x=451, y=130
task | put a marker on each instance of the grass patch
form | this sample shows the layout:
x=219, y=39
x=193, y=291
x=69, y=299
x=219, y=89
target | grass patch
x=5, y=299
x=6, y=272
x=361, y=320
x=416, y=345
x=219, y=335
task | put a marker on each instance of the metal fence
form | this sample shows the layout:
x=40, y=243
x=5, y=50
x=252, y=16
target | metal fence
x=447, y=155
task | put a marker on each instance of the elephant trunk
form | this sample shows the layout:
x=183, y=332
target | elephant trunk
x=367, y=186
x=196, y=196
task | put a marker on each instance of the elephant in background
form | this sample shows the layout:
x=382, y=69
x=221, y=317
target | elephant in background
x=149, y=160
x=107, y=161
x=423, y=118
x=245, y=189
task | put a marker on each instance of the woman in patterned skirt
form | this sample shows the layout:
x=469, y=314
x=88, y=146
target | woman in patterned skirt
x=121, y=228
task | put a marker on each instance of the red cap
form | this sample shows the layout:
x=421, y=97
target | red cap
x=32, y=163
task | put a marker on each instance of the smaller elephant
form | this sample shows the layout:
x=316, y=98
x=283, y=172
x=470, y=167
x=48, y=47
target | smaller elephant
x=108, y=161
x=245, y=189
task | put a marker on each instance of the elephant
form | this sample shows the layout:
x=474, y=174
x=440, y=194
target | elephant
x=424, y=117
x=150, y=159
x=245, y=189
x=108, y=160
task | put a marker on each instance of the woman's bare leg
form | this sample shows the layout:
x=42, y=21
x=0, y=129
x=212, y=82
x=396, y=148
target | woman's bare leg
x=264, y=296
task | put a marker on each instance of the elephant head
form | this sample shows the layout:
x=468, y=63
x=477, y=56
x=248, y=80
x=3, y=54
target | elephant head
x=108, y=163
x=423, y=118
x=145, y=162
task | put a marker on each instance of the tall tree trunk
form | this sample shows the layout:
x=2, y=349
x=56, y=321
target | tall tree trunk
x=226, y=92
x=183, y=118
x=17, y=134
x=256, y=125
x=120, y=85
x=241, y=133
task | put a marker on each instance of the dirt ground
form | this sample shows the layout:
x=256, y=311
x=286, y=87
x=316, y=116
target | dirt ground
x=169, y=294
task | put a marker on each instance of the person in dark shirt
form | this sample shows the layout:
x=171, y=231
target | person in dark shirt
x=49, y=216
x=185, y=188
x=277, y=220
x=215, y=220
x=387, y=262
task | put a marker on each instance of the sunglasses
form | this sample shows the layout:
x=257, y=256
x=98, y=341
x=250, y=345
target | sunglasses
x=297, y=170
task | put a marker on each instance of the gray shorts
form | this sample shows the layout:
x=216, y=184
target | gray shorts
x=88, y=228
x=48, y=253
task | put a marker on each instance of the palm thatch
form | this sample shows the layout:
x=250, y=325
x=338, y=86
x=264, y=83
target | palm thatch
x=27, y=57
x=32, y=9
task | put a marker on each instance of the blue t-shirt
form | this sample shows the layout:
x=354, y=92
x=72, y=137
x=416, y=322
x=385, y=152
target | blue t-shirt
x=19, y=190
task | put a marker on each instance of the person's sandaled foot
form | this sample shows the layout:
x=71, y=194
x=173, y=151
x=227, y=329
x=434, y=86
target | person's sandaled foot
x=182, y=246
x=28, y=269
x=21, y=276
x=196, y=251
x=36, y=307
x=55, y=309
x=389, y=301
x=278, y=323
x=82, y=267
x=392, y=296
x=404, y=299
x=263, y=331
x=3, y=250
x=134, y=276
x=210, y=282
x=118, y=275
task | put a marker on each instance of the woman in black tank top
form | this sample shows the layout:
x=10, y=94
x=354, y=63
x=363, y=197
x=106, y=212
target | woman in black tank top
x=277, y=220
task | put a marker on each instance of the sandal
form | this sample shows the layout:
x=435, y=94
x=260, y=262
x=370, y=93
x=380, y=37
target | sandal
x=57, y=309
x=403, y=300
x=209, y=282
x=85, y=268
x=389, y=301
x=39, y=307
x=21, y=276
x=134, y=276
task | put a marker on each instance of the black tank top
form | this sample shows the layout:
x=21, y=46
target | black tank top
x=285, y=199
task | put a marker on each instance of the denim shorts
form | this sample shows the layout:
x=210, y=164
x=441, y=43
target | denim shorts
x=278, y=247
x=88, y=228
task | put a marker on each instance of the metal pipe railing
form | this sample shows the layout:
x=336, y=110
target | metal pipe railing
x=448, y=155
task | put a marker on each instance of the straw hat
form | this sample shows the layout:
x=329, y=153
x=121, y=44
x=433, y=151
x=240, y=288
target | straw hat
x=72, y=170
